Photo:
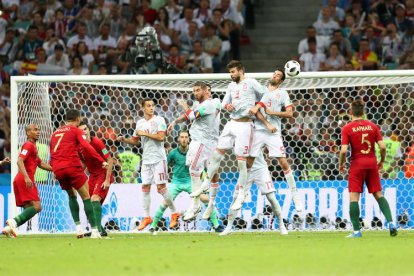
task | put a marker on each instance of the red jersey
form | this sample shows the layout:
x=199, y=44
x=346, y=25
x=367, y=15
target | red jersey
x=94, y=166
x=64, y=145
x=362, y=135
x=31, y=160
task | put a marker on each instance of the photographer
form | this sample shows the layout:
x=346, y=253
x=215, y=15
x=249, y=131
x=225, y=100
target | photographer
x=199, y=61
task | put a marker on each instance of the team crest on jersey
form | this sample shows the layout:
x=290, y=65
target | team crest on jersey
x=24, y=152
x=84, y=137
x=244, y=86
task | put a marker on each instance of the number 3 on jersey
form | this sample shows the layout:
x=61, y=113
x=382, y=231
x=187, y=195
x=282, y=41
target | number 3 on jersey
x=365, y=141
x=60, y=135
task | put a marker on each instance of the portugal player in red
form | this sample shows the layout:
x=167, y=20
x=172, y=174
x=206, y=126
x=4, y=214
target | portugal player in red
x=25, y=190
x=362, y=135
x=67, y=167
x=99, y=178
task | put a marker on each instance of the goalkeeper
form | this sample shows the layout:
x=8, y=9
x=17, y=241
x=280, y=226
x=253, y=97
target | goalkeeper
x=181, y=182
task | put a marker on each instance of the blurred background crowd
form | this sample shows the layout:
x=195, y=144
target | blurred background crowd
x=79, y=37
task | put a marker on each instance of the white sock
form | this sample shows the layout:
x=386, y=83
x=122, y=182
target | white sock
x=213, y=193
x=290, y=179
x=195, y=185
x=242, y=181
x=277, y=210
x=168, y=199
x=232, y=214
x=146, y=201
x=214, y=164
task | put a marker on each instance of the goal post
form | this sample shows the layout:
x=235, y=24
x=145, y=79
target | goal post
x=321, y=100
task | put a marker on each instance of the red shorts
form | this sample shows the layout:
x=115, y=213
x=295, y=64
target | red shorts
x=72, y=177
x=357, y=178
x=23, y=194
x=95, y=186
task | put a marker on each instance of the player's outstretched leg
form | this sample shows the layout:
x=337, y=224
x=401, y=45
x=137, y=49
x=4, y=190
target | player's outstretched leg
x=146, y=202
x=385, y=209
x=87, y=205
x=230, y=219
x=277, y=211
x=212, y=169
x=241, y=183
x=97, y=211
x=158, y=215
x=30, y=210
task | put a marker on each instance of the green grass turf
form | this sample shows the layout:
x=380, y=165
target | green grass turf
x=268, y=253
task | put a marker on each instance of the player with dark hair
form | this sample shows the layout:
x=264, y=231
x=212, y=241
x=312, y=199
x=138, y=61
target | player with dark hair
x=362, y=135
x=25, y=189
x=272, y=104
x=99, y=178
x=68, y=169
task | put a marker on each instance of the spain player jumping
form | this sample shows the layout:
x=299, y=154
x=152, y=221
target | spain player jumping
x=362, y=135
x=67, y=167
x=99, y=178
x=25, y=190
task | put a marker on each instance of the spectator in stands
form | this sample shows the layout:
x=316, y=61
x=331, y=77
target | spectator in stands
x=41, y=55
x=343, y=43
x=4, y=76
x=59, y=58
x=336, y=13
x=181, y=25
x=186, y=39
x=375, y=23
x=409, y=9
x=103, y=43
x=385, y=11
x=8, y=47
x=364, y=59
x=203, y=12
x=374, y=41
x=163, y=39
x=322, y=42
x=326, y=25
x=81, y=49
x=351, y=31
x=80, y=36
x=407, y=59
x=70, y=12
x=167, y=25
x=174, y=10
x=59, y=24
x=130, y=31
x=51, y=40
x=150, y=15
x=52, y=6
x=29, y=44
x=119, y=61
x=212, y=46
x=391, y=50
x=335, y=61
x=199, y=61
x=400, y=20
x=77, y=68
x=25, y=10
x=116, y=22
x=175, y=58
x=312, y=60
x=233, y=15
x=38, y=22
x=407, y=39
x=91, y=23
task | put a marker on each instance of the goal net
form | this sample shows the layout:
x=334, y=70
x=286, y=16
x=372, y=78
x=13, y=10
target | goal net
x=312, y=138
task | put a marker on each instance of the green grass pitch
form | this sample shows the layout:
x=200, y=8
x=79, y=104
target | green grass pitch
x=264, y=253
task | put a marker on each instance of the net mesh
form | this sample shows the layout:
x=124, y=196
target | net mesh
x=312, y=140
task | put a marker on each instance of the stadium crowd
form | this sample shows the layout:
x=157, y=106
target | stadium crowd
x=360, y=35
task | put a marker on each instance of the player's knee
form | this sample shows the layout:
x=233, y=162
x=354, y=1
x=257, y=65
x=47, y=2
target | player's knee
x=220, y=151
x=204, y=198
x=146, y=188
x=216, y=178
x=37, y=206
x=195, y=172
x=95, y=198
x=284, y=164
x=377, y=195
x=161, y=189
x=249, y=162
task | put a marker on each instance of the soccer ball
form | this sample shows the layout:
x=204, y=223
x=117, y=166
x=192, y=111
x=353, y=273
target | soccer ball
x=292, y=68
